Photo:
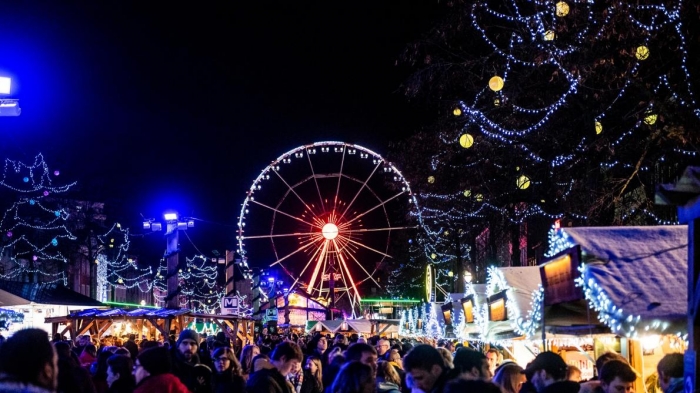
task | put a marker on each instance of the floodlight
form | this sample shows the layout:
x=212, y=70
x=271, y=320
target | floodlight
x=190, y=223
x=181, y=225
x=156, y=227
x=271, y=279
x=5, y=84
x=10, y=107
x=146, y=225
x=170, y=216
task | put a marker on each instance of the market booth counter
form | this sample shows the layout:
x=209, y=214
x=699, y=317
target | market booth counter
x=149, y=322
x=634, y=283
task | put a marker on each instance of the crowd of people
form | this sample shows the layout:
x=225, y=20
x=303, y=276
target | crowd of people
x=30, y=363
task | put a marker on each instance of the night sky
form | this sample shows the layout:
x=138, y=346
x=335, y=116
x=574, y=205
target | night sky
x=179, y=106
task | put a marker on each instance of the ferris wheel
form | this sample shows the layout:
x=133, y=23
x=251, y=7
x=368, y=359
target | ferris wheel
x=325, y=215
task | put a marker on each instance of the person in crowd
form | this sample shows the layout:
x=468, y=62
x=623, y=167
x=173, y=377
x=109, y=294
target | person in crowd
x=548, y=374
x=593, y=386
x=247, y=354
x=81, y=341
x=471, y=365
x=461, y=385
x=354, y=377
x=152, y=372
x=119, y=374
x=72, y=378
x=494, y=357
x=573, y=373
x=184, y=362
x=296, y=377
x=228, y=375
x=330, y=371
x=88, y=356
x=509, y=377
x=319, y=349
x=447, y=357
x=99, y=371
x=28, y=363
x=131, y=346
x=617, y=377
x=313, y=376
x=363, y=353
x=383, y=348
x=273, y=380
x=388, y=380
x=670, y=370
x=425, y=369
x=395, y=359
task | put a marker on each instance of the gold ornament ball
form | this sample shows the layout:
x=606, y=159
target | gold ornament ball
x=549, y=35
x=467, y=193
x=433, y=256
x=496, y=83
x=466, y=141
x=431, y=179
x=562, y=9
x=479, y=197
x=642, y=52
x=457, y=112
x=650, y=118
x=497, y=102
x=598, y=127
x=523, y=182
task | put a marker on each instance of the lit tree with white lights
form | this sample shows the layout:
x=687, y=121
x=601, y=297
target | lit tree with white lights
x=198, y=289
x=573, y=109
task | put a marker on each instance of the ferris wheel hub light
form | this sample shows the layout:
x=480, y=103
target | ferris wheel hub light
x=330, y=231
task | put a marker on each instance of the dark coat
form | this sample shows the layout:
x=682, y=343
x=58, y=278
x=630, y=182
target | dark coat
x=268, y=381
x=161, y=383
x=562, y=387
x=196, y=376
x=227, y=382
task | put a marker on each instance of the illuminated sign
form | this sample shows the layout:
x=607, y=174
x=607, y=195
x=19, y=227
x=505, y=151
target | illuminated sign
x=558, y=277
x=429, y=285
x=468, y=308
x=497, y=307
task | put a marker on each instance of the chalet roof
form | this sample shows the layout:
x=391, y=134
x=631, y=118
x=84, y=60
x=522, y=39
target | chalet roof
x=43, y=293
x=641, y=270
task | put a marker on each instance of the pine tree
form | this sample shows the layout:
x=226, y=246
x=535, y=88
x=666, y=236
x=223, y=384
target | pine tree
x=432, y=325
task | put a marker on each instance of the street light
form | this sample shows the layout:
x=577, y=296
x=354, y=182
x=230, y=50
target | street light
x=174, y=225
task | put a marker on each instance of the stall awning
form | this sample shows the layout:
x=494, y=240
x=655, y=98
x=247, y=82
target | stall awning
x=21, y=293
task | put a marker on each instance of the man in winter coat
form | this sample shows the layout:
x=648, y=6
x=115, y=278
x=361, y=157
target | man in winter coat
x=548, y=374
x=28, y=363
x=285, y=356
x=670, y=369
x=186, y=364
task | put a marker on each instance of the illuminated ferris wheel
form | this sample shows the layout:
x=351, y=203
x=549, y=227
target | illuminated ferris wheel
x=325, y=214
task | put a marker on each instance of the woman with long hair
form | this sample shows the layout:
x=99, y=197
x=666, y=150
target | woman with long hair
x=119, y=374
x=313, y=376
x=388, y=380
x=509, y=377
x=228, y=374
x=247, y=354
x=354, y=377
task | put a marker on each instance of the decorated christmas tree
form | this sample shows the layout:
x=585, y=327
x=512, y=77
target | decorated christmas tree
x=197, y=284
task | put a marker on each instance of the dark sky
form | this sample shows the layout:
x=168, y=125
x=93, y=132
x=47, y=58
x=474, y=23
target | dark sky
x=180, y=105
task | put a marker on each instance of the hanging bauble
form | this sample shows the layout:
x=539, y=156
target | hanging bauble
x=25, y=179
x=46, y=193
x=642, y=52
x=431, y=179
x=466, y=141
x=56, y=173
x=496, y=83
x=34, y=257
x=120, y=280
x=9, y=233
x=497, y=102
x=32, y=202
x=650, y=118
x=479, y=197
x=457, y=112
x=57, y=213
x=523, y=182
x=598, y=127
x=562, y=9
x=433, y=256
x=467, y=193
x=54, y=242
x=549, y=35
x=447, y=233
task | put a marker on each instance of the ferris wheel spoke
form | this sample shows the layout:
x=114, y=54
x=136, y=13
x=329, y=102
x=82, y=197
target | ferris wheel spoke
x=377, y=229
x=340, y=176
x=283, y=213
x=356, y=296
x=293, y=191
x=282, y=235
x=304, y=270
x=363, y=269
x=379, y=162
x=321, y=251
x=318, y=189
x=302, y=248
x=368, y=248
x=374, y=208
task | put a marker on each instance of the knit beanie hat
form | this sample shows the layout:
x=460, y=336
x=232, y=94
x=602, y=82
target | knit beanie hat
x=188, y=334
x=155, y=360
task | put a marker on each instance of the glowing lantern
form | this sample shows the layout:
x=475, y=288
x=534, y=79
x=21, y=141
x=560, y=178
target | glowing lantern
x=466, y=141
x=431, y=179
x=598, y=127
x=479, y=197
x=496, y=83
x=433, y=256
x=642, y=52
x=562, y=9
x=650, y=118
x=457, y=112
x=523, y=182
x=467, y=193
x=549, y=35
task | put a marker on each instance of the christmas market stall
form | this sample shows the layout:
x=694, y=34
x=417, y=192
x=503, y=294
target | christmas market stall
x=633, y=281
x=468, y=314
x=292, y=312
x=27, y=304
x=152, y=323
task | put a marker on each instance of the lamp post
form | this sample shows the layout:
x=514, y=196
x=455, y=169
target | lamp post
x=172, y=252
